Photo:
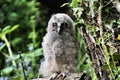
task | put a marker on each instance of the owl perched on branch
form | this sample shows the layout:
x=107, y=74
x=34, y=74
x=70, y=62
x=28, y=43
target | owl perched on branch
x=60, y=47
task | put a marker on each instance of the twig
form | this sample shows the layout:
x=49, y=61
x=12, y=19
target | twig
x=108, y=4
x=25, y=78
x=100, y=20
x=9, y=49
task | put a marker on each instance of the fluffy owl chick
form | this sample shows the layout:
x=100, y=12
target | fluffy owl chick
x=60, y=47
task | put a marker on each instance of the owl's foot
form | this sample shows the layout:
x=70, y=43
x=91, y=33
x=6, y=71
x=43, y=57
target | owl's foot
x=57, y=76
x=54, y=75
x=61, y=76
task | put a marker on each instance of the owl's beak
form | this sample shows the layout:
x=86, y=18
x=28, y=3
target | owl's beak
x=58, y=30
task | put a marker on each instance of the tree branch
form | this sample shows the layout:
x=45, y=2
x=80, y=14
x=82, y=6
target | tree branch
x=70, y=76
x=100, y=21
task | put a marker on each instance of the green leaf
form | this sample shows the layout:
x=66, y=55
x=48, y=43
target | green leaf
x=1, y=47
x=116, y=56
x=7, y=70
x=17, y=40
x=106, y=53
x=13, y=16
x=2, y=17
x=118, y=78
x=78, y=11
x=32, y=35
x=14, y=57
x=74, y=3
x=118, y=37
x=14, y=28
x=35, y=53
x=18, y=77
x=107, y=10
x=8, y=29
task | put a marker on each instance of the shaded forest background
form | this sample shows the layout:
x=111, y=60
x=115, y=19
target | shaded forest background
x=23, y=24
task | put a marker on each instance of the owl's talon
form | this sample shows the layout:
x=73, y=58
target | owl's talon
x=57, y=75
x=63, y=75
x=54, y=75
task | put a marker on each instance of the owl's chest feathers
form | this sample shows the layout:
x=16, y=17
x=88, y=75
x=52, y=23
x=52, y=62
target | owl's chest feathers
x=64, y=49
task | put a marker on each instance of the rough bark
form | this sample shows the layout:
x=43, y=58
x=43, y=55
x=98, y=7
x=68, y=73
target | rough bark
x=96, y=56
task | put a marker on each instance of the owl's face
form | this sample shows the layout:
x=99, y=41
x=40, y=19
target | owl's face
x=60, y=23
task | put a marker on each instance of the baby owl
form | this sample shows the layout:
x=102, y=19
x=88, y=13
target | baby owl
x=60, y=47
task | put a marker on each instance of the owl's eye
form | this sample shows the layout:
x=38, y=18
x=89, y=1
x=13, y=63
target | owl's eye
x=54, y=25
x=64, y=25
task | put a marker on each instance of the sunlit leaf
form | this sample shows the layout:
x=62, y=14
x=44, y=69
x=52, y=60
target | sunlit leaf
x=78, y=11
x=33, y=35
x=6, y=29
x=14, y=28
x=118, y=37
x=74, y=3
x=9, y=29
x=7, y=70
x=106, y=52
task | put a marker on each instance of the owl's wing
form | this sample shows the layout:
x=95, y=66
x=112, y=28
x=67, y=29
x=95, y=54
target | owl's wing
x=47, y=44
x=47, y=68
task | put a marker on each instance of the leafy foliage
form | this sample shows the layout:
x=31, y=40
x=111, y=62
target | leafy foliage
x=107, y=38
x=19, y=45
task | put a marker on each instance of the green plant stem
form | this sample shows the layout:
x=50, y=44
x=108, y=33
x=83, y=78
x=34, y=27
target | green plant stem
x=34, y=39
x=100, y=20
x=110, y=69
x=9, y=49
x=25, y=77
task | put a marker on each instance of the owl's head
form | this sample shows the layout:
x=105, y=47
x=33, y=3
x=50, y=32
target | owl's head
x=60, y=23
